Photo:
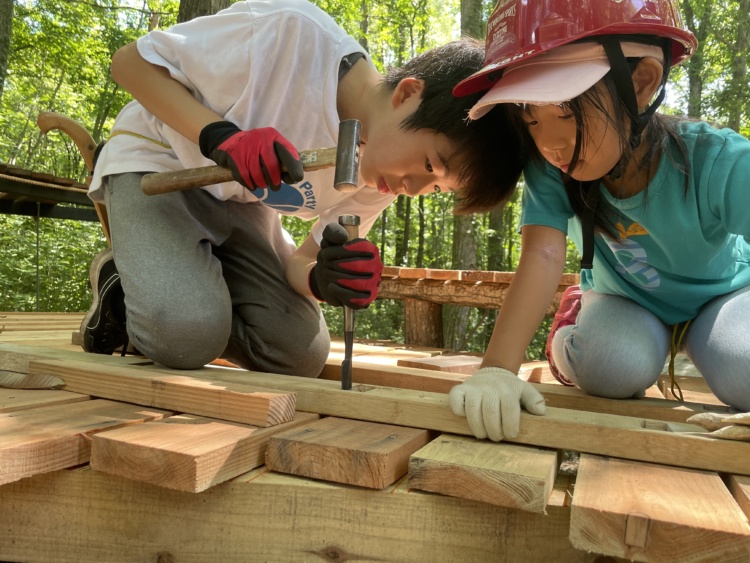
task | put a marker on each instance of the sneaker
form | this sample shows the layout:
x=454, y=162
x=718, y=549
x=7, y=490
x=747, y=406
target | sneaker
x=103, y=327
x=567, y=313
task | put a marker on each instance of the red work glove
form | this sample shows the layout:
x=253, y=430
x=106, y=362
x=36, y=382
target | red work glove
x=347, y=273
x=255, y=157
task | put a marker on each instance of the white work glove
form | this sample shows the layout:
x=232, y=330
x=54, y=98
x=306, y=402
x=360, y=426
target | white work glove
x=491, y=401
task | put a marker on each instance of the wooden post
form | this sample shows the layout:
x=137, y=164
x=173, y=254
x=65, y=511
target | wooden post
x=423, y=323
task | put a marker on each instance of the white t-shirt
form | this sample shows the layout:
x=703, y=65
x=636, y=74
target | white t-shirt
x=261, y=63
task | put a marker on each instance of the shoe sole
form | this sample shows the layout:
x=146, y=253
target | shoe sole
x=94, y=271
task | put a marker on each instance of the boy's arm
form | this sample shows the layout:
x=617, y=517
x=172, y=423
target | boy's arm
x=299, y=265
x=492, y=398
x=160, y=94
x=255, y=157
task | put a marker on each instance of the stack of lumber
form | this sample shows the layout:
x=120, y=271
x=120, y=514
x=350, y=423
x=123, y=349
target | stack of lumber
x=134, y=461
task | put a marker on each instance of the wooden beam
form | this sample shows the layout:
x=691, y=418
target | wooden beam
x=739, y=486
x=185, y=453
x=620, y=436
x=346, y=451
x=503, y=474
x=556, y=395
x=649, y=512
x=56, y=437
x=92, y=516
x=236, y=401
x=13, y=400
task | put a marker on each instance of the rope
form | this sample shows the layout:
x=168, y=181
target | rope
x=676, y=346
x=42, y=184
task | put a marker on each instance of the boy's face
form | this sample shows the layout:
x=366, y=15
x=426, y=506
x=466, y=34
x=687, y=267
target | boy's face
x=410, y=162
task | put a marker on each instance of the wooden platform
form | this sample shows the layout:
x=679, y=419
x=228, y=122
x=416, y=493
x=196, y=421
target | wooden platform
x=130, y=461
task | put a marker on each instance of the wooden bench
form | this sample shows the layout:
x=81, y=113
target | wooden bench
x=424, y=292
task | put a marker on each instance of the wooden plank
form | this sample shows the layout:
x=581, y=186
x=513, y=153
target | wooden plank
x=739, y=486
x=556, y=395
x=185, y=453
x=16, y=356
x=649, y=512
x=51, y=438
x=12, y=400
x=92, y=516
x=503, y=474
x=620, y=436
x=453, y=363
x=346, y=451
x=238, y=401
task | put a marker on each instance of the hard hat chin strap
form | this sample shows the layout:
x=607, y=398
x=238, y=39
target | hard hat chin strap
x=623, y=79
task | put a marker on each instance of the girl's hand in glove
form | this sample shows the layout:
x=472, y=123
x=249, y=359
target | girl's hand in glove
x=491, y=401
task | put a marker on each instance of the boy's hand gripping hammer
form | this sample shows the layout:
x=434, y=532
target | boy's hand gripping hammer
x=345, y=156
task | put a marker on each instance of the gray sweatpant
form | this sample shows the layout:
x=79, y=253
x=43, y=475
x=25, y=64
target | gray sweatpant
x=617, y=348
x=204, y=278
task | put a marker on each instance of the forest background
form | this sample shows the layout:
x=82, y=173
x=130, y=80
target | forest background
x=55, y=56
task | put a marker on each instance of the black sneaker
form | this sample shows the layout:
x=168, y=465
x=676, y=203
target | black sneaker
x=103, y=327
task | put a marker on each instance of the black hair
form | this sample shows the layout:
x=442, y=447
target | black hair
x=488, y=157
x=659, y=131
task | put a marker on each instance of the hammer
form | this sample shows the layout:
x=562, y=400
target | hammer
x=345, y=156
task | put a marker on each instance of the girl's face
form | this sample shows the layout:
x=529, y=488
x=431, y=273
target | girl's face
x=553, y=129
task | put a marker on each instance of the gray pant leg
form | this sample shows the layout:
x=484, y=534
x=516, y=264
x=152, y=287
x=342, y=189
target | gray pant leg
x=718, y=343
x=274, y=328
x=178, y=305
x=616, y=349
x=204, y=278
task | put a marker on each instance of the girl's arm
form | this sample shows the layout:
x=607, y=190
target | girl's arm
x=160, y=94
x=543, y=251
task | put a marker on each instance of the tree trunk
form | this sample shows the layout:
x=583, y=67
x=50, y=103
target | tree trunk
x=472, y=19
x=419, y=263
x=738, y=85
x=191, y=9
x=6, y=29
x=456, y=319
x=699, y=25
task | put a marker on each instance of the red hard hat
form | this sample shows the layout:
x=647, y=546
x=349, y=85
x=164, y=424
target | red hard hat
x=519, y=30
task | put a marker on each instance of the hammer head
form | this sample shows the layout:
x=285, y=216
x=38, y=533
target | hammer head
x=346, y=175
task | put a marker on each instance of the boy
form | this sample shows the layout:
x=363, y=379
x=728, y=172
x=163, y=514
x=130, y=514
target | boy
x=208, y=273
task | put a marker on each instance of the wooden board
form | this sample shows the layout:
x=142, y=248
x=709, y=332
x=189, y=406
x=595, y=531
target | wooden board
x=648, y=512
x=503, y=474
x=185, y=453
x=620, y=436
x=12, y=400
x=346, y=451
x=238, y=401
x=555, y=394
x=739, y=486
x=74, y=516
x=463, y=364
x=51, y=438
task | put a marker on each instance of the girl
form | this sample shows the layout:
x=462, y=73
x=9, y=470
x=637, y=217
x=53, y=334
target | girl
x=656, y=206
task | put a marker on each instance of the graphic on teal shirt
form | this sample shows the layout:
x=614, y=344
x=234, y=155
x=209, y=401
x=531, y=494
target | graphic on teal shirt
x=631, y=257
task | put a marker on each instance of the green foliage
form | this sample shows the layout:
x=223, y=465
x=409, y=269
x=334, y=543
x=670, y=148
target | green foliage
x=50, y=276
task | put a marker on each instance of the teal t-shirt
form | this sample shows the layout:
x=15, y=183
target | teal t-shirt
x=675, y=251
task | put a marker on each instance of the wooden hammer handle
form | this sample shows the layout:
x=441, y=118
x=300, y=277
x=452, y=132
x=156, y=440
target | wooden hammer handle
x=165, y=182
